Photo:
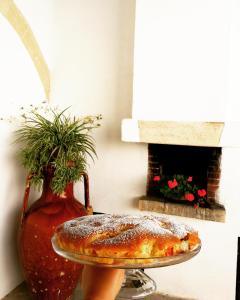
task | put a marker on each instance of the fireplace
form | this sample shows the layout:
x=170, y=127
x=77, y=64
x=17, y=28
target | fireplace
x=201, y=166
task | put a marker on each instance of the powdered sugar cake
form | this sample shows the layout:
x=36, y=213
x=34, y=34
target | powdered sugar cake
x=104, y=238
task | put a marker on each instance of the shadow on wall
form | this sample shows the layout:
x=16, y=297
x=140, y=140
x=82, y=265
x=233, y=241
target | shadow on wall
x=13, y=184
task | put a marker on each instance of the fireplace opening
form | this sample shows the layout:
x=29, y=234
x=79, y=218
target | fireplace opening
x=185, y=175
x=200, y=164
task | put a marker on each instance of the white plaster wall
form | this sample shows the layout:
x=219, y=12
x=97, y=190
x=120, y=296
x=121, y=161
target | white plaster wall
x=91, y=67
x=186, y=63
x=20, y=86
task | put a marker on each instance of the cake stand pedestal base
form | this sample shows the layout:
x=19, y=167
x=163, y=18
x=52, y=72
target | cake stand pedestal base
x=137, y=285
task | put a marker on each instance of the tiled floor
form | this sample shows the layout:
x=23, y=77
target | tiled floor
x=20, y=293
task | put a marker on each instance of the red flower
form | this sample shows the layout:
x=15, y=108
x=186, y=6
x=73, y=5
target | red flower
x=189, y=197
x=172, y=183
x=156, y=178
x=189, y=179
x=196, y=205
x=202, y=193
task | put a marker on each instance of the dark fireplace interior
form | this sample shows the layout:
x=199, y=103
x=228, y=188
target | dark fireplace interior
x=203, y=164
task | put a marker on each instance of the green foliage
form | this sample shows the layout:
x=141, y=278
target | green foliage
x=63, y=143
x=178, y=191
x=179, y=187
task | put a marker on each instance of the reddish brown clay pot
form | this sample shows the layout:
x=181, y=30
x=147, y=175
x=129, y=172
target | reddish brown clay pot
x=48, y=275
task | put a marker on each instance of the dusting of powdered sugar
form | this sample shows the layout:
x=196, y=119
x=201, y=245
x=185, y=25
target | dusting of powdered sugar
x=142, y=228
x=127, y=227
x=85, y=226
x=178, y=229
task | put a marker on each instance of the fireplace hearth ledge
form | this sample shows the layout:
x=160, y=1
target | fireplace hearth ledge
x=215, y=213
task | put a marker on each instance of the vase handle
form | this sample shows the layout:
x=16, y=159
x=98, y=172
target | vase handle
x=26, y=196
x=88, y=207
x=86, y=194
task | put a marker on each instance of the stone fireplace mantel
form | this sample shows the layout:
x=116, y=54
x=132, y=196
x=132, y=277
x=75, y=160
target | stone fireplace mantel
x=208, y=134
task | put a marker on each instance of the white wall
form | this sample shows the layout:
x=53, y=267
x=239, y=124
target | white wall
x=91, y=47
x=184, y=63
x=20, y=86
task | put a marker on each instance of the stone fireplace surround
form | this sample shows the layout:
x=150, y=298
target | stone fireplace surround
x=190, y=142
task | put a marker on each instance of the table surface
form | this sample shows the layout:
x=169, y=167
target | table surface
x=20, y=293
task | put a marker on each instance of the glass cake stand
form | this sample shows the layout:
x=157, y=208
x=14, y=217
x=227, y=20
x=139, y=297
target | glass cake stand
x=137, y=284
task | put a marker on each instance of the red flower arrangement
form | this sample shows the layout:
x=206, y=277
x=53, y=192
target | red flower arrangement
x=156, y=178
x=181, y=187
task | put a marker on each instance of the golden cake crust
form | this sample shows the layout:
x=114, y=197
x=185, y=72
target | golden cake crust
x=126, y=236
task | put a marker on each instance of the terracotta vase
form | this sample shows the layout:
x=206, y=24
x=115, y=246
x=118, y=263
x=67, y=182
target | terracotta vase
x=48, y=275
